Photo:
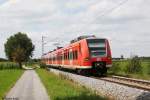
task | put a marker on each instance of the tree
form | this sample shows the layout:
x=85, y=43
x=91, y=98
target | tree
x=19, y=48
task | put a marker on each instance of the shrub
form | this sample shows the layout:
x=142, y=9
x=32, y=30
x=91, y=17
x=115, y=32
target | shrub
x=42, y=65
x=134, y=65
x=148, y=68
x=115, y=67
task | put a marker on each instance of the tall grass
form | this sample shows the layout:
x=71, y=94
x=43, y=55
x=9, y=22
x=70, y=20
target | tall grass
x=134, y=65
x=148, y=67
x=59, y=88
x=8, y=65
x=115, y=67
x=131, y=68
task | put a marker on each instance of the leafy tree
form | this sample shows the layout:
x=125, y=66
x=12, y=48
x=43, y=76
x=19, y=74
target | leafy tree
x=19, y=48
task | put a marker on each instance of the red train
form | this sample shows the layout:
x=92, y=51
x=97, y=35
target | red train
x=85, y=55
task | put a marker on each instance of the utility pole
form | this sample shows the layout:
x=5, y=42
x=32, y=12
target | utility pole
x=43, y=45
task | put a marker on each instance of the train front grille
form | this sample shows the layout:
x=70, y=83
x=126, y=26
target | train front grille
x=98, y=65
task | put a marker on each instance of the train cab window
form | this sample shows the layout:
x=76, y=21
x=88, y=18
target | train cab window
x=97, y=47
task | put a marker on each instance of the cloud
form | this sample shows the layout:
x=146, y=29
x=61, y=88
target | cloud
x=126, y=26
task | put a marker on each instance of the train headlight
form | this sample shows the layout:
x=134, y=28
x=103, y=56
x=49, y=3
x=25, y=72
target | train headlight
x=109, y=58
x=86, y=59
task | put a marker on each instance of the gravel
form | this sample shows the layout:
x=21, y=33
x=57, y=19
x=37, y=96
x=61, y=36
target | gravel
x=108, y=89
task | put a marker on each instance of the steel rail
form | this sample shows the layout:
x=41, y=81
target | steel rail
x=131, y=82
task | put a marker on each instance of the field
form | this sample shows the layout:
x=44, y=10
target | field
x=119, y=68
x=7, y=79
x=61, y=89
x=8, y=65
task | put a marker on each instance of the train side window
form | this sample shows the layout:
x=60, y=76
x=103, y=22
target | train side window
x=71, y=55
x=60, y=57
x=76, y=53
x=68, y=56
x=65, y=56
x=54, y=58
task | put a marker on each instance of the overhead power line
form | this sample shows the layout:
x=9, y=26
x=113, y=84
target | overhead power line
x=112, y=9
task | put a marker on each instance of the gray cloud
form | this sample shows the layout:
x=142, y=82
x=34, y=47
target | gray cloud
x=126, y=27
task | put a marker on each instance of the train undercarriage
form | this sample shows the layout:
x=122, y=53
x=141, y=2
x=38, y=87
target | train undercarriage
x=98, y=68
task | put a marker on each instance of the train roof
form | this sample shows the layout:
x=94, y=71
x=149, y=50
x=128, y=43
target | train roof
x=81, y=38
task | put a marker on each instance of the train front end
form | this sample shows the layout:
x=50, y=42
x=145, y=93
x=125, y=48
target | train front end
x=99, y=55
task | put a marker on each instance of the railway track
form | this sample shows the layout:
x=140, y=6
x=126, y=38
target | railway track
x=131, y=82
x=136, y=83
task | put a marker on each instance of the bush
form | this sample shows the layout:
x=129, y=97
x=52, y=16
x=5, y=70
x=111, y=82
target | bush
x=148, y=67
x=42, y=65
x=115, y=67
x=134, y=65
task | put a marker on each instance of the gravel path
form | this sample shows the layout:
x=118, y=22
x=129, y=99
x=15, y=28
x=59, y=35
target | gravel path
x=28, y=87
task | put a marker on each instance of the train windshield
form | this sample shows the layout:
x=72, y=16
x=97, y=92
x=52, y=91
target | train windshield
x=97, y=47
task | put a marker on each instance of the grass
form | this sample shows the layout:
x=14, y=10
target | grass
x=62, y=89
x=8, y=79
x=119, y=68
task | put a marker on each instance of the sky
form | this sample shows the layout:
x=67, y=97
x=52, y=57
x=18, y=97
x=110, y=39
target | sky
x=125, y=23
